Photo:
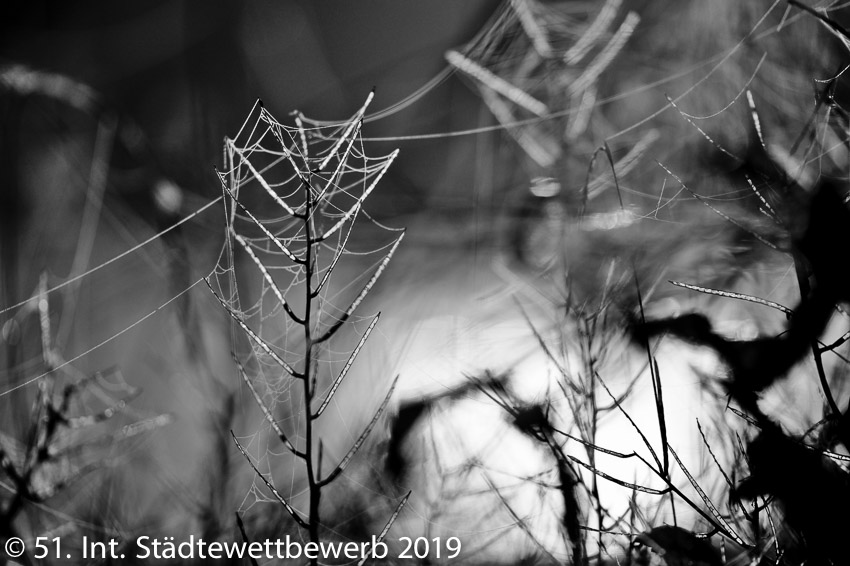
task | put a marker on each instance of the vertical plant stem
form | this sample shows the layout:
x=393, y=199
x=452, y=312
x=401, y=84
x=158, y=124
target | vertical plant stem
x=803, y=283
x=314, y=488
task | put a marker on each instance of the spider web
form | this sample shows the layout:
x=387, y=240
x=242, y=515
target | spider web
x=302, y=148
x=291, y=276
x=537, y=67
x=574, y=20
x=537, y=59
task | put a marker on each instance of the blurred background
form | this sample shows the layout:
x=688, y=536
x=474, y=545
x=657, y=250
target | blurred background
x=113, y=115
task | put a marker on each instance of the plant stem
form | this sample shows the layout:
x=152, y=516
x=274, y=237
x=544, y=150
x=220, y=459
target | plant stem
x=313, y=486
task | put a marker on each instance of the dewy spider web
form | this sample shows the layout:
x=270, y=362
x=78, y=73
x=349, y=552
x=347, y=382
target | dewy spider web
x=716, y=61
x=535, y=59
x=293, y=195
x=273, y=161
x=536, y=66
x=757, y=32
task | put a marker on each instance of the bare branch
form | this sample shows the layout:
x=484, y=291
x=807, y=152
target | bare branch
x=841, y=340
x=355, y=122
x=362, y=295
x=274, y=126
x=347, y=366
x=828, y=22
x=726, y=527
x=266, y=412
x=359, y=442
x=731, y=295
x=260, y=179
x=245, y=538
x=343, y=160
x=351, y=211
x=389, y=524
x=713, y=457
x=632, y=422
x=276, y=241
x=720, y=213
x=634, y=486
x=659, y=410
x=253, y=335
x=267, y=276
x=301, y=522
x=340, y=249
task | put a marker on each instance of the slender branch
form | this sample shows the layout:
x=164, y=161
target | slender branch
x=253, y=335
x=345, y=369
x=717, y=516
x=267, y=276
x=832, y=24
x=355, y=122
x=260, y=179
x=313, y=486
x=351, y=211
x=266, y=412
x=245, y=538
x=359, y=442
x=388, y=525
x=805, y=291
x=278, y=496
x=337, y=255
x=275, y=240
x=732, y=295
x=362, y=295
x=633, y=423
